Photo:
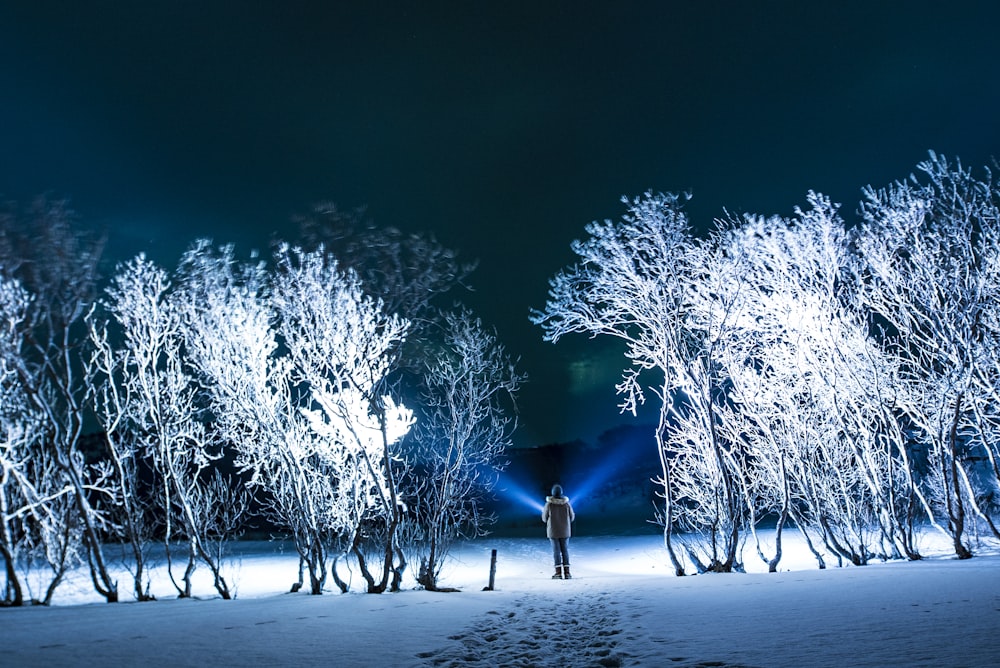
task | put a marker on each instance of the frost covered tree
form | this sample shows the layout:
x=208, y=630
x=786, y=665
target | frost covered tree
x=231, y=339
x=410, y=273
x=463, y=430
x=342, y=344
x=812, y=397
x=930, y=250
x=634, y=281
x=132, y=511
x=58, y=267
x=22, y=503
x=292, y=362
x=149, y=405
x=710, y=468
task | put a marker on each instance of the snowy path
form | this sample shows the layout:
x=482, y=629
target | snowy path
x=621, y=609
x=554, y=629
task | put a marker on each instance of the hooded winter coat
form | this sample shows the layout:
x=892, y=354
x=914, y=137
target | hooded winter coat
x=558, y=515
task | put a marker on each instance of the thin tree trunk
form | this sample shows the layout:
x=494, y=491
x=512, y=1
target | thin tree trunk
x=14, y=595
x=668, y=516
x=340, y=582
x=99, y=575
x=956, y=506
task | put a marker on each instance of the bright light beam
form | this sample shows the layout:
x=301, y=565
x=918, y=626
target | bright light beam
x=580, y=486
x=514, y=491
x=581, y=492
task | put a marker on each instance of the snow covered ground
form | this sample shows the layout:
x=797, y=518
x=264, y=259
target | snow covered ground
x=623, y=608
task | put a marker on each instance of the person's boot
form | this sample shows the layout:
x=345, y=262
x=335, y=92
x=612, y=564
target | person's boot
x=565, y=572
x=559, y=573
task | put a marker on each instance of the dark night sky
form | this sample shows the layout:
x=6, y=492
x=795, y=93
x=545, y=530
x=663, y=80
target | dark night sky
x=503, y=127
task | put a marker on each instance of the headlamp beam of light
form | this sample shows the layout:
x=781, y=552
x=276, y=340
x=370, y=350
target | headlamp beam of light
x=513, y=491
x=581, y=491
x=579, y=488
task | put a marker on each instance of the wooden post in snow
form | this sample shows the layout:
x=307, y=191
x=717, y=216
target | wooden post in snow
x=493, y=571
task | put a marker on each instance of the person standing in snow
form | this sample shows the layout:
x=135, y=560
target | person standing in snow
x=558, y=515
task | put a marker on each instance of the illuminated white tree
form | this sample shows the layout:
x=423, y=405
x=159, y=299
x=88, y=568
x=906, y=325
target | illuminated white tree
x=342, y=345
x=710, y=469
x=931, y=253
x=231, y=339
x=291, y=365
x=469, y=383
x=813, y=396
x=148, y=402
x=58, y=267
x=20, y=500
x=635, y=281
x=132, y=511
x=409, y=273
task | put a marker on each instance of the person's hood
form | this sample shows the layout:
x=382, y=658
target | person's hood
x=558, y=500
